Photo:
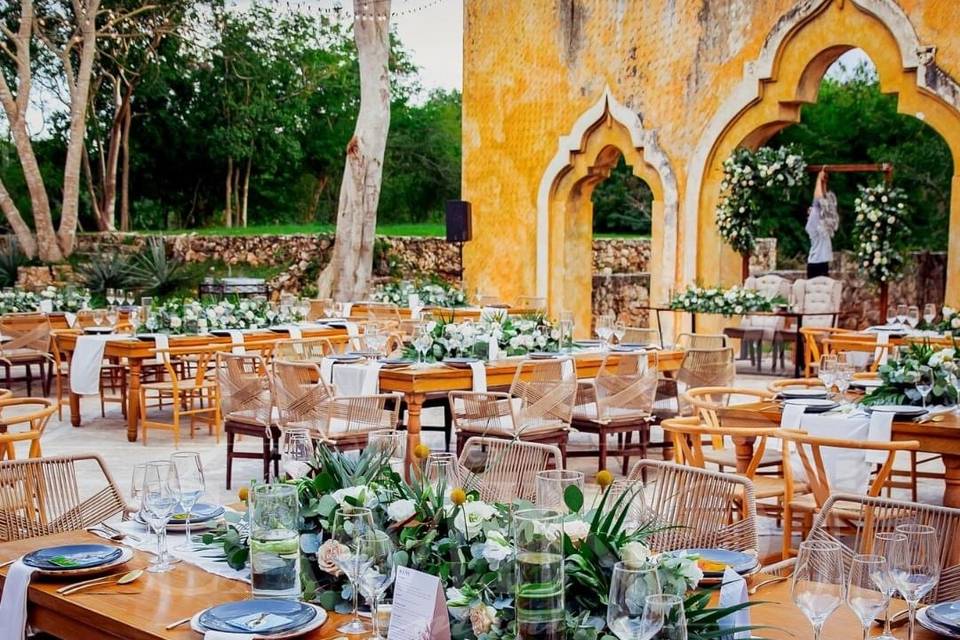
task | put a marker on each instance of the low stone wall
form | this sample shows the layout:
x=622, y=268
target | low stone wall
x=623, y=294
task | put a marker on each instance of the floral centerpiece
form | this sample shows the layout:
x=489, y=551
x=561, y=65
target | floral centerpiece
x=901, y=375
x=880, y=231
x=750, y=181
x=69, y=299
x=948, y=323
x=18, y=301
x=513, y=335
x=184, y=315
x=729, y=302
x=466, y=542
x=432, y=293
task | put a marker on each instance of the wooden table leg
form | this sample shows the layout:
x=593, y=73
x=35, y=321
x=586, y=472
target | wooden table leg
x=414, y=409
x=133, y=399
x=951, y=489
x=74, y=408
x=744, y=450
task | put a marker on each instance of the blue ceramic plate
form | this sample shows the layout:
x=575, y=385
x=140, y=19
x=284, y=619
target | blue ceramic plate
x=201, y=512
x=925, y=620
x=344, y=357
x=72, y=556
x=737, y=560
x=258, y=616
x=946, y=614
x=461, y=363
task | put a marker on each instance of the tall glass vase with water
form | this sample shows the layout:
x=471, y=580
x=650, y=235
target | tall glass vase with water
x=275, y=541
x=539, y=597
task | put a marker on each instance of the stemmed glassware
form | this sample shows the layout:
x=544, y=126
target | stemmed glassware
x=626, y=602
x=130, y=298
x=375, y=338
x=350, y=526
x=818, y=583
x=665, y=613
x=392, y=445
x=884, y=544
x=111, y=296
x=913, y=316
x=136, y=489
x=915, y=565
x=827, y=371
x=866, y=595
x=112, y=316
x=296, y=451
x=133, y=317
x=891, y=315
x=619, y=330
x=98, y=315
x=188, y=485
x=929, y=313
x=924, y=385
x=902, y=310
x=604, y=330
x=158, y=501
x=843, y=376
x=422, y=342
x=441, y=475
x=377, y=546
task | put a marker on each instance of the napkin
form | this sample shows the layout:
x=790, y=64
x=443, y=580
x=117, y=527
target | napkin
x=326, y=370
x=295, y=332
x=236, y=337
x=567, y=368
x=880, y=428
x=86, y=362
x=71, y=318
x=13, y=602
x=734, y=592
x=221, y=635
x=413, y=303
x=347, y=308
x=46, y=306
x=791, y=416
x=479, y=371
x=883, y=338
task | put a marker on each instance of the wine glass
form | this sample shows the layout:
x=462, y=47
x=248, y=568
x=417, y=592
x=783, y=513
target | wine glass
x=112, y=315
x=158, y=503
x=664, y=614
x=817, y=587
x=626, y=601
x=902, y=310
x=120, y=297
x=891, y=315
x=374, y=337
x=130, y=298
x=924, y=385
x=619, y=330
x=379, y=575
x=111, y=295
x=423, y=342
x=552, y=486
x=884, y=544
x=929, y=313
x=827, y=370
x=350, y=525
x=913, y=316
x=843, y=376
x=442, y=477
x=390, y=445
x=865, y=589
x=296, y=451
x=915, y=565
x=604, y=329
x=189, y=485
x=99, y=315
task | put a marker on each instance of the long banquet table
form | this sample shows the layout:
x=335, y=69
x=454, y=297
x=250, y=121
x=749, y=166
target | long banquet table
x=136, y=351
x=141, y=610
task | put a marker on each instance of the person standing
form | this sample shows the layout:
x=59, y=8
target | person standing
x=822, y=222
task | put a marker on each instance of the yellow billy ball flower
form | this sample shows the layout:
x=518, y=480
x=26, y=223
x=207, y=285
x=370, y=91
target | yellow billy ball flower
x=604, y=479
x=458, y=496
x=421, y=452
x=243, y=493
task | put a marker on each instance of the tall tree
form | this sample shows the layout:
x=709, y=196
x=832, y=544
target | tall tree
x=346, y=276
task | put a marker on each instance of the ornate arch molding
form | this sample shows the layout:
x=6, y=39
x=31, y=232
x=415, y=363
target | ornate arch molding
x=914, y=56
x=644, y=140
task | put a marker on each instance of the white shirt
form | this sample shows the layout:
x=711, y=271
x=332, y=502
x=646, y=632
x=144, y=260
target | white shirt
x=821, y=245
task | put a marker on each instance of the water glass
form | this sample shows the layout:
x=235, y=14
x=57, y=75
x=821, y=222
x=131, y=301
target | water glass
x=350, y=525
x=818, y=583
x=915, y=565
x=136, y=489
x=866, y=596
x=390, y=445
x=566, y=330
x=158, y=502
x=827, y=370
x=538, y=570
x=296, y=451
x=929, y=313
x=275, y=541
x=376, y=547
x=552, y=485
x=883, y=545
x=626, y=602
x=665, y=616
x=902, y=311
x=133, y=317
x=189, y=485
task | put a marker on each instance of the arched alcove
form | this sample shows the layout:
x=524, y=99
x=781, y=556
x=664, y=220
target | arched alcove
x=600, y=137
x=787, y=75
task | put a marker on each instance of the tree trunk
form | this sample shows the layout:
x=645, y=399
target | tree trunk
x=79, y=85
x=24, y=236
x=125, y=169
x=92, y=189
x=108, y=206
x=351, y=264
x=318, y=187
x=228, y=212
x=246, y=193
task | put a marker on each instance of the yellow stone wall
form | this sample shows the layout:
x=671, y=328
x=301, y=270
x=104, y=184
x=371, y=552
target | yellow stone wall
x=533, y=67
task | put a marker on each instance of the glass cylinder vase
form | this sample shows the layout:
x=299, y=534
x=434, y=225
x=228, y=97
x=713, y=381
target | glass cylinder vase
x=538, y=570
x=275, y=541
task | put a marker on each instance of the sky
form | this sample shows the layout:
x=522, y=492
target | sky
x=435, y=37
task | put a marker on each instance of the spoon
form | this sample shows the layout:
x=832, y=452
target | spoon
x=126, y=578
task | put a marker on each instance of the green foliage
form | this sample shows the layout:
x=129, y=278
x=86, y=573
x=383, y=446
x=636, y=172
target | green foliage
x=158, y=273
x=901, y=375
x=852, y=121
x=622, y=203
x=103, y=271
x=10, y=260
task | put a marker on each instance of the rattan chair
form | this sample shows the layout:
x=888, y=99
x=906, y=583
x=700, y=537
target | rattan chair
x=701, y=341
x=246, y=404
x=300, y=395
x=25, y=426
x=809, y=450
x=642, y=335
x=318, y=307
x=531, y=303
x=193, y=397
x=694, y=508
x=27, y=343
x=346, y=421
x=39, y=497
x=618, y=401
x=505, y=470
x=699, y=368
x=302, y=349
x=538, y=407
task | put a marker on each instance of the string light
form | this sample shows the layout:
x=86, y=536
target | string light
x=368, y=10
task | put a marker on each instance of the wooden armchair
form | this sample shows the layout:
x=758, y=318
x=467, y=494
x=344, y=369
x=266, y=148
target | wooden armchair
x=777, y=386
x=302, y=349
x=192, y=396
x=246, y=404
x=27, y=344
x=34, y=420
x=507, y=469
x=39, y=497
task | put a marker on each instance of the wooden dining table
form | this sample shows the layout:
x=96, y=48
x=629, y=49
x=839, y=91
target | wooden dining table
x=135, y=351
x=939, y=436
x=141, y=610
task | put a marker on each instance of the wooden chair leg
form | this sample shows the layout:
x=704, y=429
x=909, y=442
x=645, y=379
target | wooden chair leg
x=230, y=444
x=29, y=372
x=266, y=459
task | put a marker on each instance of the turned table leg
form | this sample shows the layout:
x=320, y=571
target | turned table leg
x=74, y=408
x=744, y=450
x=133, y=399
x=414, y=410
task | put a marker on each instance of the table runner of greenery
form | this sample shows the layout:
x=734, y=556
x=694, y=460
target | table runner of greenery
x=729, y=302
x=514, y=336
x=186, y=316
x=432, y=293
x=60, y=299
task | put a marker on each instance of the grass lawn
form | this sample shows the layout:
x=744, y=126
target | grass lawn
x=421, y=229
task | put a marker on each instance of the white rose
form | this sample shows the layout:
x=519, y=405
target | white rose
x=359, y=494
x=577, y=531
x=175, y=322
x=635, y=554
x=401, y=510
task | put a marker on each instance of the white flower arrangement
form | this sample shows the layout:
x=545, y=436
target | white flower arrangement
x=433, y=293
x=190, y=316
x=750, y=180
x=48, y=300
x=880, y=231
x=513, y=335
x=728, y=302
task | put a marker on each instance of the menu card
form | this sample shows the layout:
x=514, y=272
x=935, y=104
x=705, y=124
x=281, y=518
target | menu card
x=419, y=607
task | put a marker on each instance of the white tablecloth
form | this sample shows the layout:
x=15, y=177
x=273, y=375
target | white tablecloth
x=86, y=362
x=361, y=379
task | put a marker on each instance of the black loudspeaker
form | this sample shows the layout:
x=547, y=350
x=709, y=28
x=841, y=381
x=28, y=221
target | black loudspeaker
x=459, y=221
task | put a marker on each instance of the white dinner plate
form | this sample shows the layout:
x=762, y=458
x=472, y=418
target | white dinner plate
x=819, y=393
x=813, y=405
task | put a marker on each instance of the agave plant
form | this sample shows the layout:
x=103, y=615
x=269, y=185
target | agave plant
x=10, y=260
x=107, y=271
x=160, y=274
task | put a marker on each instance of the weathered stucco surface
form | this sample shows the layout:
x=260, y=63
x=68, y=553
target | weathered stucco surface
x=702, y=76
